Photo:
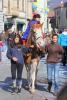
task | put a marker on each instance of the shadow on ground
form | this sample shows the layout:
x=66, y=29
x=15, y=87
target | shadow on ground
x=6, y=85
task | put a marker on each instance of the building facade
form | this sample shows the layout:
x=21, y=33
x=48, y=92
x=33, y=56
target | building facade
x=60, y=9
x=1, y=18
x=61, y=16
x=16, y=12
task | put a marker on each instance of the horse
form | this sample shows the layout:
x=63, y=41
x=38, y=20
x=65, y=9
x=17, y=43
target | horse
x=36, y=42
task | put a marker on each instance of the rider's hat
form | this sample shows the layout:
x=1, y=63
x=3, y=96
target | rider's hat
x=36, y=16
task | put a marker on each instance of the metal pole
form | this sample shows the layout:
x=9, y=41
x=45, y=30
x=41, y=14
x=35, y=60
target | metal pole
x=62, y=13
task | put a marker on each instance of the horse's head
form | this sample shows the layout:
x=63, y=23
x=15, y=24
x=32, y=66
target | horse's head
x=37, y=26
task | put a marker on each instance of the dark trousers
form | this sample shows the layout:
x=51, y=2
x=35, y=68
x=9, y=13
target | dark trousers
x=64, y=59
x=16, y=69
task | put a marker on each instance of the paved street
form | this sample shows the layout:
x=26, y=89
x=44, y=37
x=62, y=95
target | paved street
x=32, y=22
x=40, y=94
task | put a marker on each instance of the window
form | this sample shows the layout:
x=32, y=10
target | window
x=8, y=6
x=59, y=19
x=17, y=3
x=33, y=0
x=21, y=5
x=0, y=5
x=66, y=13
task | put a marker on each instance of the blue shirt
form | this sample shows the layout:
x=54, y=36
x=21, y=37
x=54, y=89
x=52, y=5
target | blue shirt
x=62, y=40
x=18, y=53
x=26, y=33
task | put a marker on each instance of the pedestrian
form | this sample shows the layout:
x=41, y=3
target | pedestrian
x=1, y=45
x=15, y=54
x=54, y=56
x=62, y=95
x=11, y=35
x=62, y=40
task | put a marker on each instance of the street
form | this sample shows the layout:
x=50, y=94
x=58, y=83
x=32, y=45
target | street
x=34, y=23
x=40, y=93
x=5, y=81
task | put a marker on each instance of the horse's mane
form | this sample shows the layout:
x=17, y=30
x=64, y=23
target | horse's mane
x=37, y=25
x=33, y=27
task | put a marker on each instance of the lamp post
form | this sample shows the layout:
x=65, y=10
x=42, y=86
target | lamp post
x=62, y=5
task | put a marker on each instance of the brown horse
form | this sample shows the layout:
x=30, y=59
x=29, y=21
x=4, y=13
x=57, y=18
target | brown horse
x=36, y=42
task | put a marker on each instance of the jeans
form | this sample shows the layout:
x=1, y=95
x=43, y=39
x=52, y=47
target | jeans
x=64, y=59
x=53, y=73
x=17, y=69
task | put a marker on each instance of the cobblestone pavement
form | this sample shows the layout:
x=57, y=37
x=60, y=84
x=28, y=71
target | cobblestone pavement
x=40, y=94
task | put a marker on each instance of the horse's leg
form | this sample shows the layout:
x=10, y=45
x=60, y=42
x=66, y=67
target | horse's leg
x=28, y=67
x=38, y=59
x=33, y=74
x=28, y=74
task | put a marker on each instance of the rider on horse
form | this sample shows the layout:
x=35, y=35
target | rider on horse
x=31, y=22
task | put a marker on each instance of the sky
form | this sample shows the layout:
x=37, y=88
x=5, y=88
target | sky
x=55, y=3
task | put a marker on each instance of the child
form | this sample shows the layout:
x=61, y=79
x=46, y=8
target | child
x=15, y=54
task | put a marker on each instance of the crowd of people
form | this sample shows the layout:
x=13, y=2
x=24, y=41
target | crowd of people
x=24, y=50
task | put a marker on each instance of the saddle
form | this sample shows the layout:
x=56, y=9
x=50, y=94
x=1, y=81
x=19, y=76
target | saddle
x=28, y=56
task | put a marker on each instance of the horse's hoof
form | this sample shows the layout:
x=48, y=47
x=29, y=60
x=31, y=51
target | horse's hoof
x=32, y=91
